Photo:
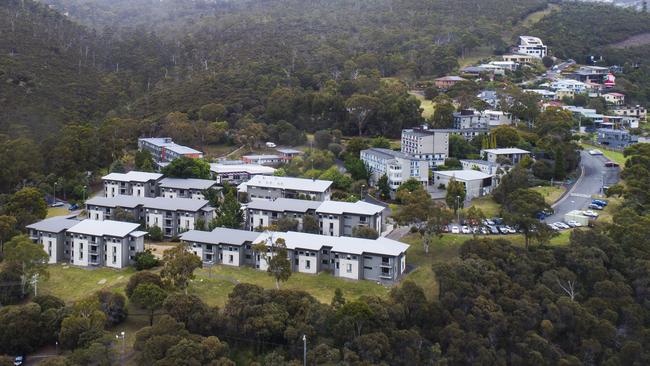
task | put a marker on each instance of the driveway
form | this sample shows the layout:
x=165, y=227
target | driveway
x=594, y=176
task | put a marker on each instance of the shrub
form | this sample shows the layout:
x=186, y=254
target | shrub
x=145, y=260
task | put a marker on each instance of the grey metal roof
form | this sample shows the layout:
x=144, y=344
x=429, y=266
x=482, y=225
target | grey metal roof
x=295, y=240
x=189, y=183
x=221, y=235
x=160, y=203
x=227, y=168
x=284, y=205
x=104, y=228
x=359, y=208
x=387, y=153
x=297, y=184
x=133, y=176
x=167, y=143
x=54, y=224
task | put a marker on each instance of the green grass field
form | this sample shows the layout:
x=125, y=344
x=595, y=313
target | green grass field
x=428, y=107
x=73, y=283
x=615, y=156
x=551, y=194
x=57, y=211
x=489, y=207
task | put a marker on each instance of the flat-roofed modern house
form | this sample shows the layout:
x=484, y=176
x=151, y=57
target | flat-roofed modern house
x=532, y=46
x=341, y=218
x=163, y=150
x=263, y=213
x=51, y=233
x=381, y=259
x=423, y=143
x=185, y=188
x=519, y=58
x=287, y=153
x=271, y=187
x=133, y=183
x=477, y=183
x=616, y=139
x=396, y=165
x=513, y=154
x=236, y=172
x=171, y=215
x=89, y=242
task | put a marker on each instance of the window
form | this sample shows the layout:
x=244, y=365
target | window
x=307, y=264
x=230, y=259
x=337, y=265
x=368, y=258
x=325, y=251
x=349, y=269
x=324, y=261
x=368, y=268
x=296, y=261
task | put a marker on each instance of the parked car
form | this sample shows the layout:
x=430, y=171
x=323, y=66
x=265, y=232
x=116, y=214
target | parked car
x=489, y=222
x=485, y=230
x=73, y=207
x=57, y=204
x=498, y=221
x=594, y=206
x=590, y=213
x=503, y=230
x=599, y=202
x=455, y=230
x=19, y=360
x=465, y=230
x=572, y=223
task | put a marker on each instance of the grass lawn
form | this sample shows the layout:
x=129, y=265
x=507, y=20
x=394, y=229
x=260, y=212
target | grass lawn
x=607, y=214
x=489, y=207
x=214, y=285
x=73, y=283
x=428, y=107
x=551, y=194
x=57, y=211
x=615, y=156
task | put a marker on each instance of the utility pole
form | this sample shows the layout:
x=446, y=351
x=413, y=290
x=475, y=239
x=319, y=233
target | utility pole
x=304, y=350
x=83, y=200
x=458, y=208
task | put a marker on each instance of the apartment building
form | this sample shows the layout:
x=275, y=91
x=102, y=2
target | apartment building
x=631, y=111
x=337, y=218
x=235, y=172
x=471, y=119
x=133, y=183
x=532, y=46
x=185, y=188
x=265, y=159
x=51, y=233
x=271, y=188
x=381, y=259
x=397, y=166
x=89, y=243
x=423, y=143
x=616, y=139
x=163, y=150
x=263, y=213
x=171, y=215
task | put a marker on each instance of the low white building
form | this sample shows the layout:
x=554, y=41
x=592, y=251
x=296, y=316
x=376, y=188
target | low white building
x=512, y=154
x=185, y=188
x=396, y=165
x=89, y=242
x=133, y=183
x=477, y=183
x=381, y=259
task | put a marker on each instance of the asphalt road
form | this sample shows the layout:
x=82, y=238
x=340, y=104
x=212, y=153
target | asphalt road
x=594, y=176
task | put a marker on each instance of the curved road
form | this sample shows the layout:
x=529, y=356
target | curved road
x=594, y=176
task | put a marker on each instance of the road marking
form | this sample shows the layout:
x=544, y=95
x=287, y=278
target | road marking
x=580, y=195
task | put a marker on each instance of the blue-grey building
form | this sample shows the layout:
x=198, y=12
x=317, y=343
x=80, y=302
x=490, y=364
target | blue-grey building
x=616, y=139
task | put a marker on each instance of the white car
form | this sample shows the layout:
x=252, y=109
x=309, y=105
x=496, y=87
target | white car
x=466, y=230
x=590, y=213
x=573, y=223
x=455, y=230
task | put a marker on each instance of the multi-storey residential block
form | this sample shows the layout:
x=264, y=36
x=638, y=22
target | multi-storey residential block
x=185, y=188
x=381, y=259
x=637, y=111
x=51, y=233
x=423, y=143
x=133, y=183
x=89, y=242
x=271, y=187
x=236, y=172
x=341, y=218
x=396, y=165
x=471, y=119
x=532, y=46
x=163, y=150
x=263, y=213
x=171, y=215
x=616, y=139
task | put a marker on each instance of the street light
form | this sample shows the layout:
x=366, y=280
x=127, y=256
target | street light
x=122, y=335
x=84, y=194
x=304, y=350
x=362, y=187
x=54, y=193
